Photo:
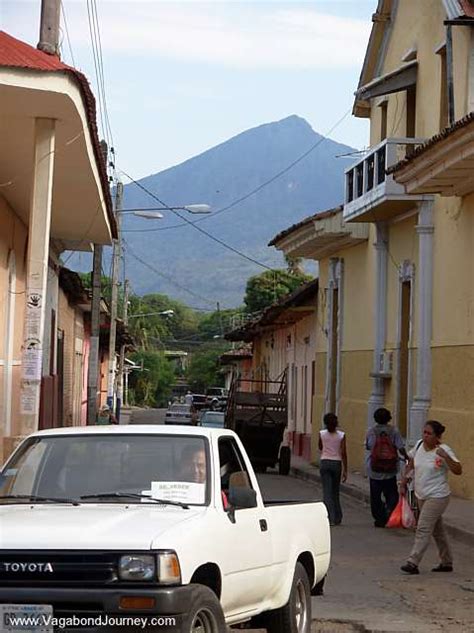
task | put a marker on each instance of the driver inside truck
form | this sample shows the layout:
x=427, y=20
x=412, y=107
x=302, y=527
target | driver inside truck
x=193, y=464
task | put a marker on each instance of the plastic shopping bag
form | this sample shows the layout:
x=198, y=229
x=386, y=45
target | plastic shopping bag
x=395, y=520
x=402, y=515
x=408, y=516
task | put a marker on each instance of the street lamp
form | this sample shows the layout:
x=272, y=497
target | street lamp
x=168, y=313
x=192, y=208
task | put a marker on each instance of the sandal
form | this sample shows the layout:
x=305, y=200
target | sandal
x=443, y=567
x=410, y=568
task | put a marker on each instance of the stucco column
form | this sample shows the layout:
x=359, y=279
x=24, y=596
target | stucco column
x=422, y=400
x=377, y=396
x=37, y=273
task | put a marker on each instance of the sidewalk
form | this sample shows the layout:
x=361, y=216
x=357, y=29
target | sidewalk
x=459, y=518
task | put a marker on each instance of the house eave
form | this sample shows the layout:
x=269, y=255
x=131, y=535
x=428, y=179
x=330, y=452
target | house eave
x=445, y=167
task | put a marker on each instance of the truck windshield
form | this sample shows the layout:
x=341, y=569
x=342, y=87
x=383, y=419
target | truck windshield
x=173, y=467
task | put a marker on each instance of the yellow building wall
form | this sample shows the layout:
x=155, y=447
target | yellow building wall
x=420, y=25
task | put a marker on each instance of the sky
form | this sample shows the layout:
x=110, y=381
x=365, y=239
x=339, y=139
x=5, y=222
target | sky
x=182, y=76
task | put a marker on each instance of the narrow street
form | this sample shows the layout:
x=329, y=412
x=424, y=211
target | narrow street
x=366, y=591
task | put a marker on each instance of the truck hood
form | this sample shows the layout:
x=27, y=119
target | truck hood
x=89, y=526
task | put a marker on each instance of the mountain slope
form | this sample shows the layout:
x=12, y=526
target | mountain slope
x=218, y=177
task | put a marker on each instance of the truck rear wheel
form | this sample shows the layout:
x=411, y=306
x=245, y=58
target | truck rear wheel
x=205, y=613
x=295, y=616
x=284, y=463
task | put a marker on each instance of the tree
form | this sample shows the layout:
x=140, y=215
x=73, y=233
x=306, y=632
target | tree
x=152, y=386
x=264, y=289
x=203, y=371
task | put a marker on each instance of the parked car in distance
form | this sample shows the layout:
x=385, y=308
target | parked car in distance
x=199, y=401
x=212, y=419
x=181, y=414
x=217, y=398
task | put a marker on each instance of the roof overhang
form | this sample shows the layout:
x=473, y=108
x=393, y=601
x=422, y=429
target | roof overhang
x=381, y=21
x=396, y=80
x=79, y=207
x=322, y=237
x=444, y=165
x=296, y=306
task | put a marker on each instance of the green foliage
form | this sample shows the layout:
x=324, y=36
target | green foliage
x=216, y=323
x=203, y=370
x=151, y=387
x=264, y=289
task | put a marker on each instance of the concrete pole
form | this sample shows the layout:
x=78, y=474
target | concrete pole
x=49, y=29
x=120, y=376
x=377, y=397
x=93, y=370
x=113, y=302
x=422, y=400
x=37, y=273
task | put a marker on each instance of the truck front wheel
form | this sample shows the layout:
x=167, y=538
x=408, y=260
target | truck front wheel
x=205, y=613
x=295, y=616
x=284, y=463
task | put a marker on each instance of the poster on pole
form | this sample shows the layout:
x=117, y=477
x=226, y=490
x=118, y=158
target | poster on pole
x=31, y=362
x=29, y=401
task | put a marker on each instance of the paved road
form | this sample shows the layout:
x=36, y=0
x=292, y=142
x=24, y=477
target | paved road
x=147, y=416
x=365, y=590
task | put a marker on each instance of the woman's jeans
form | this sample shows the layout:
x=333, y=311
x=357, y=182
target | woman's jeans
x=330, y=470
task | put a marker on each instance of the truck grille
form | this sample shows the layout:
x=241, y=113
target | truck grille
x=61, y=568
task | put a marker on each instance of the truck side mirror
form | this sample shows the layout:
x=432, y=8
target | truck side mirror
x=240, y=498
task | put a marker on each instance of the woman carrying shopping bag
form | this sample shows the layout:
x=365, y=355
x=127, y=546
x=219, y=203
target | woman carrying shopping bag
x=430, y=462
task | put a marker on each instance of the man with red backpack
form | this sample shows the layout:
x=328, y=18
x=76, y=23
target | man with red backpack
x=383, y=443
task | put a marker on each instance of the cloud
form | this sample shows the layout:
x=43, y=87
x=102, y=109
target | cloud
x=236, y=35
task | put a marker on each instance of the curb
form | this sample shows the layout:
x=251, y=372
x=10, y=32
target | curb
x=463, y=536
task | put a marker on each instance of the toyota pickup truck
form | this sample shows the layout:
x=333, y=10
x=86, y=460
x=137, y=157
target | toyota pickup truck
x=152, y=528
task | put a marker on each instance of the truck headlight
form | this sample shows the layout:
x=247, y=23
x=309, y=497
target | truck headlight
x=137, y=567
x=169, y=572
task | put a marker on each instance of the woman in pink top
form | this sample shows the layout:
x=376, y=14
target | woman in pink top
x=332, y=466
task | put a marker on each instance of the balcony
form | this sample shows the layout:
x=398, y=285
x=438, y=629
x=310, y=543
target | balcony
x=372, y=195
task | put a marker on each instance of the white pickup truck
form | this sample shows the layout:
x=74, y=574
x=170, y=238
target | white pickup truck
x=152, y=528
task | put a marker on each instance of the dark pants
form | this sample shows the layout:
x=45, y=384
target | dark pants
x=330, y=470
x=383, y=508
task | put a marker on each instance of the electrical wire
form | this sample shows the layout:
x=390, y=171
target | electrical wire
x=63, y=11
x=96, y=67
x=101, y=68
x=167, y=277
x=244, y=197
x=198, y=228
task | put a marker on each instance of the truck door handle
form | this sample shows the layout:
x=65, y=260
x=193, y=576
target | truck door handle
x=263, y=525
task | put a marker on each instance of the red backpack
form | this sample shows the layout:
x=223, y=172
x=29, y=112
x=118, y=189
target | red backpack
x=384, y=454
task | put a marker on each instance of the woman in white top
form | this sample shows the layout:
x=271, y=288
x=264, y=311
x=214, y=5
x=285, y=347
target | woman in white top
x=332, y=465
x=431, y=461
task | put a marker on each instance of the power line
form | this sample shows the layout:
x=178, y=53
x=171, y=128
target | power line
x=96, y=67
x=198, y=228
x=282, y=172
x=167, y=277
x=63, y=11
x=101, y=66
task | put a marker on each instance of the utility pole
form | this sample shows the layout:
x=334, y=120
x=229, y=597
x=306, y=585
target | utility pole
x=113, y=303
x=120, y=376
x=93, y=373
x=49, y=30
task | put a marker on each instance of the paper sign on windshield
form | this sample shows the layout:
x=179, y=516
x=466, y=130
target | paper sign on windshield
x=183, y=491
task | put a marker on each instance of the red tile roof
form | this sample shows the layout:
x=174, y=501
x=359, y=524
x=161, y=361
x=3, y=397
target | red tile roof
x=468, y=8
x=434, y=140
x=17, y=54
